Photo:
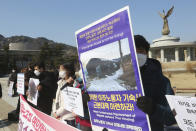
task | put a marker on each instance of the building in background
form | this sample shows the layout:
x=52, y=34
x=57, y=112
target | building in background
x=170, y=49
x=19, y=51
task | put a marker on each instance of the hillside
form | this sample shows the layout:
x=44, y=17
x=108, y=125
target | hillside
x=37, y=42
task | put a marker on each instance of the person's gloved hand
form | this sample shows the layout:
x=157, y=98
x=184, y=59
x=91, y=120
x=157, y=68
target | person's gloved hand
x=146, y=104
x=174, y=112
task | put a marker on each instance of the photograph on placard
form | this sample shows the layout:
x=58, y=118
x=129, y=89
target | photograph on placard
x=104, y=67
x=32, y=91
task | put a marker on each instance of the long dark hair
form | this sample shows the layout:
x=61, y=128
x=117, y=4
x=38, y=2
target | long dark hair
x=70, y=71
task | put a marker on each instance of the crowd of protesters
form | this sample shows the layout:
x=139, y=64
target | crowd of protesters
x=51, y=101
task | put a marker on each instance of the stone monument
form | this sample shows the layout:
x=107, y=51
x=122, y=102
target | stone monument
x=166, y=30
x=170, y=49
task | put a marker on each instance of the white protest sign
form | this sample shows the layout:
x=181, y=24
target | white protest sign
x=10, y=90
x=73, y=100
x=20, y=83
x=33, y=92
x=185, y=108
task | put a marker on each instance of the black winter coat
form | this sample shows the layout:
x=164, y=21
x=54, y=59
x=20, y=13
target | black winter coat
x=156, y=86
x=13, y=77
x=46, y=94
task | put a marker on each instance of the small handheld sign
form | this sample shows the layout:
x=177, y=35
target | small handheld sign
x=20, y=83
x=10, y=90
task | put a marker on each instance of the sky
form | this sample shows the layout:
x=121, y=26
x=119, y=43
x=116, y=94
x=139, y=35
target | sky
x=58, y=20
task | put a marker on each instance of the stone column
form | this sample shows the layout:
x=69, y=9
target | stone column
x=188, y=54
x=193, y=53
x=150, y=54
x=185, y=55
x=176, y=54
x=162, y=55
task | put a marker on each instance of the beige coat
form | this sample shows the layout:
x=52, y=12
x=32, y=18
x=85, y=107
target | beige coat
x=59, y=104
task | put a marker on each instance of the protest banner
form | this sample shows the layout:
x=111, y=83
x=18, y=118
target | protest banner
x=185, y=109
x=10, y=90
x=20, y=83
x=73, y=100
x=33, y=120
x=110, y=69
x=32, y=91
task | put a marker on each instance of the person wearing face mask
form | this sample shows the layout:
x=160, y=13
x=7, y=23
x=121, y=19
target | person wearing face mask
x=14, y=115
x=46, y=88
x=155, y=86
x=60, y=83
x=66, y=76
x=83, y=123
x=13, y=77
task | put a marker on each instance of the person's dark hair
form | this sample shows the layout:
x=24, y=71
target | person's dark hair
x=14, y=68
x=70, y=69
x=141, y=42
x=31, y=66
x=40, y=65
x=105, y=129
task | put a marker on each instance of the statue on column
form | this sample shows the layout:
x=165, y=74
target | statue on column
x=166, y=30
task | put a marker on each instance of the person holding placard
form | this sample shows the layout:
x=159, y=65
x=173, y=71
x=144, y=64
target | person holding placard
x=66, y=74
x=30, y=72
x=46, y=88
x=14, y=115
x=83, y=123
x=155, y=86
x=13, y=77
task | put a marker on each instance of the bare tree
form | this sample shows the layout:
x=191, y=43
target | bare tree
x=121, y=56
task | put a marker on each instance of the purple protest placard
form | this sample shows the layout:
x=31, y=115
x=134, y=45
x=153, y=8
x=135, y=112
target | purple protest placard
x=111, y=75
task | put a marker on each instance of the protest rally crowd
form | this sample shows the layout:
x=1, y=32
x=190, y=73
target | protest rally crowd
x=51, y=102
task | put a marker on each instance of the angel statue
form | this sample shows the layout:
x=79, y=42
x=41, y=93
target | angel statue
x=166, y=30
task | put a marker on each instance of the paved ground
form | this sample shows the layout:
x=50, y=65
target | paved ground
x=10, y=100
x=7, y=104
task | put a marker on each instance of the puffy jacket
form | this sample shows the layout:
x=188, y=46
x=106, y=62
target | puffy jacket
x=156, y=86
x=59, y=104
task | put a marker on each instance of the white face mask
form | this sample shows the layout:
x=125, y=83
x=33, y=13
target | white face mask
x=13, y=71
x=141, y=59
x=36, y=72
x=62, y=74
